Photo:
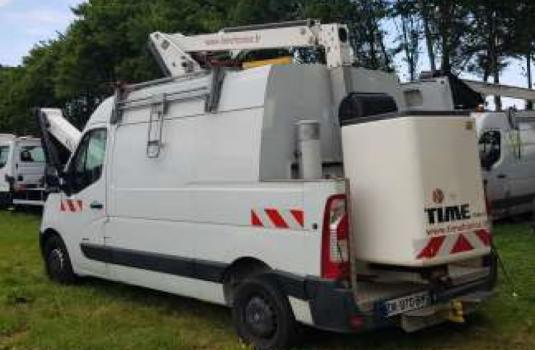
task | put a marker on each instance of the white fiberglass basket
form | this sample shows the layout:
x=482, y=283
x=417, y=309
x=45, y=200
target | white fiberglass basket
x=416, y=190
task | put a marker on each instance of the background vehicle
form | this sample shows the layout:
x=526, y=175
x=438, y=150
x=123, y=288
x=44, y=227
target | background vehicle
x=22, y=170
x=22, y=159
x=230, y=186
x=507, y=152
x=506, y=138
x=6, y=146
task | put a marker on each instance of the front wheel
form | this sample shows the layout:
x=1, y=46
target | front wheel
x=57, y=261
x=263, y=316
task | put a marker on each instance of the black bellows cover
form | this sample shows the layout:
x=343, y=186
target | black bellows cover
x=358, y=107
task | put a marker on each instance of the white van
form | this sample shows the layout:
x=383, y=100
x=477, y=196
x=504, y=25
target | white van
x=294, y=194
x=215, y=209
x=22, y=165
x=507, y=152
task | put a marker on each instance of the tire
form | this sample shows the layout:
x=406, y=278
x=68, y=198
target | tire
x=263, y=316
x=57, y=261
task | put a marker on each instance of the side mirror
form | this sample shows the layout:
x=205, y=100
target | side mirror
x=65, y=182
x=54, y=182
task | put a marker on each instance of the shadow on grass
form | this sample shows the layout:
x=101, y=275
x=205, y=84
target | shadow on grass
x=448, y=335
x=164, y=302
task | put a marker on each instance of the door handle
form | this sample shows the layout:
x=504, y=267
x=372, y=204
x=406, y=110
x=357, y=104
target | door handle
x=501, y=176
x=96, y=205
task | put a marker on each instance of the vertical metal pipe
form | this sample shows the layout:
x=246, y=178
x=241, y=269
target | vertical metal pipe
x=309, y=146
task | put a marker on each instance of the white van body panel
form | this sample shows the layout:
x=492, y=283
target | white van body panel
x=429, y=95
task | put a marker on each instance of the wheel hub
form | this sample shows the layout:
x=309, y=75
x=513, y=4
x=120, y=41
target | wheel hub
x=55, y=261
x=259, y=317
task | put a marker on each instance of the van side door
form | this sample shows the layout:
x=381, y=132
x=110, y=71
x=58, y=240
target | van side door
x=4, y=165
x=83, y=206
x=522, y=171
x=494, y=164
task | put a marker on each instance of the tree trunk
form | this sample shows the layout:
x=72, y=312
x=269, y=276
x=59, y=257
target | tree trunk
x=428, y=38
x=497, y=99
x=407, y=49
x=445, y=32
x=529, y=104
x=493, y=55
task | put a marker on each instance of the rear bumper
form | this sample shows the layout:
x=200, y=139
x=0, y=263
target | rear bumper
x=331, y=303
x=333, y=307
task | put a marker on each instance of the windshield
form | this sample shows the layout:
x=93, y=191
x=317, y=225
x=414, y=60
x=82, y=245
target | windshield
x=32, y=154
x=4, y=151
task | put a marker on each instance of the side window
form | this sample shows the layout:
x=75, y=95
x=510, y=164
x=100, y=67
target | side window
x=32, y=154
x=4, y=152
x=86, y=167
x=489, y=148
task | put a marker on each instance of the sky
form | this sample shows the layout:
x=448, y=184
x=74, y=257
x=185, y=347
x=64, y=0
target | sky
x=23, y=23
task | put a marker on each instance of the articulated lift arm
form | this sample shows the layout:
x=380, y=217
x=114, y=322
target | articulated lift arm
x=59, y=127
x=488, y=89
x=173, y=51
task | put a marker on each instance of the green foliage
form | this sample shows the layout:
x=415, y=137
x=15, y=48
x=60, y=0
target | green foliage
x=107, y=43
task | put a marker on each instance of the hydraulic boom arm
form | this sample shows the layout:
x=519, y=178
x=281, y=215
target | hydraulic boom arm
x=172, y=51
x=487, y=89
x=59, y=127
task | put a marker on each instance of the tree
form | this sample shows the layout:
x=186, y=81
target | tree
x=492, y=22
x=410, y=31
x=523, y=37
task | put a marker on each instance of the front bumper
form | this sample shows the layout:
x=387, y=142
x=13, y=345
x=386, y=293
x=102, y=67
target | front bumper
x=5, y=199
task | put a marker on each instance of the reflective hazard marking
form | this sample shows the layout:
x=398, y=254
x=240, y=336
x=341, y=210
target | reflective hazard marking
x=278, y=218
x=432, y=247
x=441, y=246
x=73, y=206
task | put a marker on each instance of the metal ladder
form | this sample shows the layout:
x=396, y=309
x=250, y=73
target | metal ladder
x=156, y=120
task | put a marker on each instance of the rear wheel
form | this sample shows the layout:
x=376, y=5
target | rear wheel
x=263, y=316
x=57, y=261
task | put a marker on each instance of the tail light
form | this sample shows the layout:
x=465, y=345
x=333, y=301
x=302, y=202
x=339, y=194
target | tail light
x=335, y=239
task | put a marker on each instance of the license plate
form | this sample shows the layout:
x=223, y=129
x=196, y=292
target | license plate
x=407, y=303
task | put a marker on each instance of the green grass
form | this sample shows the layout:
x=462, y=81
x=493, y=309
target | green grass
x=37, y=314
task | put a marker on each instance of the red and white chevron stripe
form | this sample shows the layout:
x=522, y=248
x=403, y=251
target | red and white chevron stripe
x=71, y=205
x=441, y=246
x=292, y=219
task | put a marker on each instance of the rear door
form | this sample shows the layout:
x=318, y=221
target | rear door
x=29, y=164
x=83, y=207
x=4, y=164
x=521, y=176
